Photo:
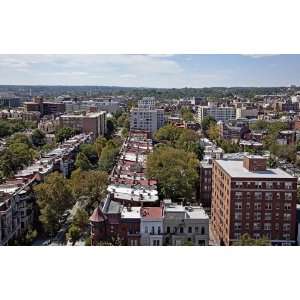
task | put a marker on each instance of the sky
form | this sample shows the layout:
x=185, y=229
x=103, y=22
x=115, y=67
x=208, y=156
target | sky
x=145, y=70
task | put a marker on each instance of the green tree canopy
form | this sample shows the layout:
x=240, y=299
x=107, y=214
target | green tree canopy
x=175, y=170
x=64, y=134
x=73, y=234
x=108, y=156
x=89, y=150
x=207, y=122
x=82, y=162
x=54, y=197
x=81, y=218
x=89, y=184
x=246, y=240
x=38, y=138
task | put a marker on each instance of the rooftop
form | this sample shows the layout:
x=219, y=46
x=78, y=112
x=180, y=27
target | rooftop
x=131, y=212
x=235, y=168
x=152, y=213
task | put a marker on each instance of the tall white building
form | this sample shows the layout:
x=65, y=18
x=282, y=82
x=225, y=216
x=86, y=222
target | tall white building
x=146, y=117
x=222, y=113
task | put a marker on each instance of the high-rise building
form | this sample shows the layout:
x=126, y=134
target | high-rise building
x=219, y=113
x=248, y=197
x=146, y=117
x=85, y=123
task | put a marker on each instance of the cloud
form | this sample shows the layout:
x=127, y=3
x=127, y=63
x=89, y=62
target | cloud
x=259, y=55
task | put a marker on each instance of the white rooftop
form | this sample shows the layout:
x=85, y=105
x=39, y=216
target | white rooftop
x=235, y=168
x=131, y=213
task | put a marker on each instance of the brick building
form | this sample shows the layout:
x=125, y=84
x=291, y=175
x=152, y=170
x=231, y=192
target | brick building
x=205, y=185
x=247, y=197
x=44, y=108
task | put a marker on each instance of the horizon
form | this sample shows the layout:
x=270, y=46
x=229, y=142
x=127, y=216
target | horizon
x=175, y=71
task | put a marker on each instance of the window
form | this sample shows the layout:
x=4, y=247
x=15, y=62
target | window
x=181, y=229
x=256, y=236
x=202, y=230
x=168, y=229
x=146, y=229
x=277, y=226
x=237, y=235
x=269, y=196
x=286, y=227
x=238, y=195
x=258, y=184
x=238, y=205
x=257, y=216
x=175, y=229
x=237, y=226
x=196, y=229
x=239, y=184
x=247, y=226
x=190, y=229
x=152, y=230
x=267, y=226
x=288, y=185
x=256, y=226
x=257, y=206
x=287, y=206
x=257, y=195
x=268, y=206
x=268, y=216
x=288, y=196
x=286, y=217
x=201, y=242
x=158, y=230
x=286, y=236
x=238, y=216
x=269, y=184
x=247, y=216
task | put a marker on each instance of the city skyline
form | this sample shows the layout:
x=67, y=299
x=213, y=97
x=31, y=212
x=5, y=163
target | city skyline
x=157, y=71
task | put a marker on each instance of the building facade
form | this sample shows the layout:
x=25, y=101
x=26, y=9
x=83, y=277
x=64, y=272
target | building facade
x=85, y=123
x=247, y=197
x=218, y=113
x=146, y=117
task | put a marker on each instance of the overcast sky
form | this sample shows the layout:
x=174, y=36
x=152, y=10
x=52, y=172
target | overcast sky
x=170, y=71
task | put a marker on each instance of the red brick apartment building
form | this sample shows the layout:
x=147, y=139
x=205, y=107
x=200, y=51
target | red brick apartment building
x=247, y=197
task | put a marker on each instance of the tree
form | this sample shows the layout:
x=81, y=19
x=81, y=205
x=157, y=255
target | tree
x=187, y=115
x=111, y=126
x=175, y=170
x=246, y=240
x=189, y=141
x=81, y=218
x=213, y=131
x=207, y=122
x=54, y=197
x=38, y=138
x=124, y=132
x=73, y=234
x=82, y=162
x=90, y=152
x=100, y=143
x=63, y=134
x=168, y=134
x=89, y=184
x=108, y=156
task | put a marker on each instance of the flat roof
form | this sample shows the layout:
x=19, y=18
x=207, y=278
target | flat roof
x=235, y=168
x=131, y=213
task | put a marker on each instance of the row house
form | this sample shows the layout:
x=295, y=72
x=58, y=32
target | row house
x=168, y=224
